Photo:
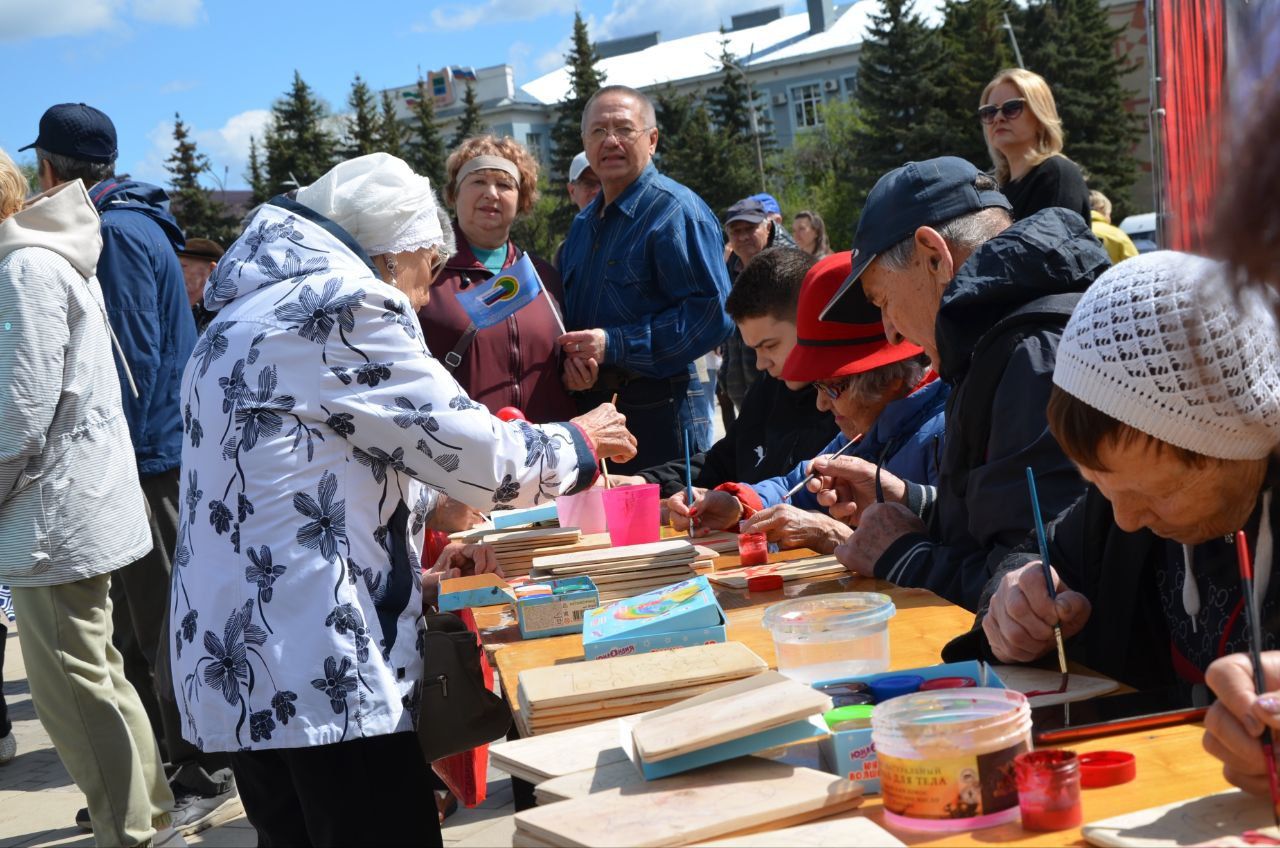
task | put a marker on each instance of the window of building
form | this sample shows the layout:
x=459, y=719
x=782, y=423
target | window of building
x=850, y=86
x=805, y=100
x=533, y=143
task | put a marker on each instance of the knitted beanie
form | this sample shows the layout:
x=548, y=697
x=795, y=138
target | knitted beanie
x=1162, y=344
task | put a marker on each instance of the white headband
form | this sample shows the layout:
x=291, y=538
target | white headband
x=487, y=163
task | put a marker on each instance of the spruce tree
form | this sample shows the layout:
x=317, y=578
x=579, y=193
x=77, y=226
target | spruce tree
x=566, y=133
x=299, y=146
x=425, y=151
x=693, y=152
x=256, y=176
x=363, y=124
x=1071, y=43
x=975, y=47
x=898, y=96
x=199, y=215
x=391, y=134
x=470, y=123
x=730, y=104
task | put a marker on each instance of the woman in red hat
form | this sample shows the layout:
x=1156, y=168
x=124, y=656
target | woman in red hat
x=883, y=396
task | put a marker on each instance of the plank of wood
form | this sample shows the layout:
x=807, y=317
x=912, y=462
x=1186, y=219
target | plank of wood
x=673, y=574
x=851, y=829
x=1080, y=687
x=559, y=721
x=730, y=711
x=795, y=569
x=613, y=567
x=616, y=677
x=612, y=776
x=539, y=758
x=626, y=552
x=719, y=800
x=641, y=702
x=1191, y=822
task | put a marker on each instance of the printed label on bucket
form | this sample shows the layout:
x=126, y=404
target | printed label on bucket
x=952, y=787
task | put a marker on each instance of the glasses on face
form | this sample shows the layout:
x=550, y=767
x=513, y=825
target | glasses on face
x=624, y=134
x=1011, y=109
x=834, y=389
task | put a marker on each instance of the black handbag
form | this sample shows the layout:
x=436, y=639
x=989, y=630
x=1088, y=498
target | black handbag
x=456, y=711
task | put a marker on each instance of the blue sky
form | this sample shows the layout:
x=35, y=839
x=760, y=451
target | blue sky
x=220, y=63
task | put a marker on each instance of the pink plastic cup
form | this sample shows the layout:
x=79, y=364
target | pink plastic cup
x=584, y=510
x=632, y=513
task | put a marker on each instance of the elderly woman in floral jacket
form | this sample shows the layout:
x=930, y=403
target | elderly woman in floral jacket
x=319, y=432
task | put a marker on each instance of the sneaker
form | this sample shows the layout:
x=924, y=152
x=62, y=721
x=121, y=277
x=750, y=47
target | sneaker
x=193, y=812
x=8, y=749
x=168, y=837
x=82, y=820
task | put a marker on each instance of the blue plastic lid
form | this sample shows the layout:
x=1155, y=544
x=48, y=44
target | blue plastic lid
x=894, y=685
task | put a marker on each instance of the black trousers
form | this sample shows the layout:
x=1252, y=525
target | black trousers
x=5, y=725
x=368, y=792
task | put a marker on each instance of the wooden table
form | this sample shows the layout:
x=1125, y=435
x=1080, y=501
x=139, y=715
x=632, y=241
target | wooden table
x=1172, y=765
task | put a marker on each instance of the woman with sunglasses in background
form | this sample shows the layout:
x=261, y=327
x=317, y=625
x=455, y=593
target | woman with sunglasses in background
x=883, y=396
x=1024, y=136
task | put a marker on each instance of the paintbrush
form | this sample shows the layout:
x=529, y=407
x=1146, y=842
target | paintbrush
x=798, y=486
x=1048, y=574
x=604, y=466
x=1255, y=655
x=688, y=481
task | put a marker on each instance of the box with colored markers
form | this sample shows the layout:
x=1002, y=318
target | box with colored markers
x=554, y=607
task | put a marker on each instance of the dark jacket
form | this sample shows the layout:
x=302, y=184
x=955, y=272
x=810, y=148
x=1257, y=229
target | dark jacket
x=514, y=363
x=738, y=371
x=1138, y=631
x=776, y=429
x=1056, y=181
x=995, y=421
x=146, y=301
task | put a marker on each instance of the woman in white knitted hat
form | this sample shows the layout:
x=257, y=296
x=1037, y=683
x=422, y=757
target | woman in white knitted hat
x=1167, y=398
x=318, y=432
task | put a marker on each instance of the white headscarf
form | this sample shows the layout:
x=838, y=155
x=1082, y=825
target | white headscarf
x=380, y=201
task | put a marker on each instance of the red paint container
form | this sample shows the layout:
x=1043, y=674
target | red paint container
x=1049, y=790
x=948, y=683
x=753, y=548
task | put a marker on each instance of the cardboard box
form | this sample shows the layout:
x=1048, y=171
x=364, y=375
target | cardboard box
x=851, y=754
x=559, y=613
x=478, y=590
x=675, y=616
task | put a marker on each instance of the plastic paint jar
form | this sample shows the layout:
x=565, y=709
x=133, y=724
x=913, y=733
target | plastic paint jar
x=827, y=637
x=946, y=757
x=753, y=548
x=1049, y=790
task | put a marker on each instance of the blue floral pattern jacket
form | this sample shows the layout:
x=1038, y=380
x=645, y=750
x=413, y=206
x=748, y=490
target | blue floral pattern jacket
x=317, y=431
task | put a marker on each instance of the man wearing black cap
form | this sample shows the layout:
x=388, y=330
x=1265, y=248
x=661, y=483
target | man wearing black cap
x=987, y=300
x=145, y=297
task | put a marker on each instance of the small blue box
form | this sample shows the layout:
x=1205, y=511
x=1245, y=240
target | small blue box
x=560, y=612
x=852, y=755
x=479, y=590
x=675, y=616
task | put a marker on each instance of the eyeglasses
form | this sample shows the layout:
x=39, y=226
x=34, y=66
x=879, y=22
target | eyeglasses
x=1011, y=109
x=624, y=135
x=833, y=390
x=438, y=259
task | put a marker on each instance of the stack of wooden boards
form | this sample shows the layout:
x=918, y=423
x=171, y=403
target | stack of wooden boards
x=563, y=696
x=792, y=569
x=626, y=571
x=516, y=549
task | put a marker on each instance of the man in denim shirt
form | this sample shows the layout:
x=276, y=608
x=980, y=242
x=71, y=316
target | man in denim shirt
x=645, y=286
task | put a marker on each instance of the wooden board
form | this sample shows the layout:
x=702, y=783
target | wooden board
x=1080, y=687
x=615, y=775
x=1183, y=822
x=539, y=758
x=730, y=711
x=540, y=537
x=613, y=567
x=795, y=569
x=640, y=702
x=720, y=541
x=851, y=829
x=647, y=575
x=617, y=677
x=667, y=547
x=718, y=800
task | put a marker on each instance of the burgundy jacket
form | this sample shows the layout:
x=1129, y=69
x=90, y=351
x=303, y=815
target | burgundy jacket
x=515, y=363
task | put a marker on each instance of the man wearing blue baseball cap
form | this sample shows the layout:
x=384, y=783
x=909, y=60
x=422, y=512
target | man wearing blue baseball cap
x=987, y=299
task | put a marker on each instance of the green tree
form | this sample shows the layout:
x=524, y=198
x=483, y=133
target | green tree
x=31, y=173
x=391, y=134
x=299, y=145
x=470, y=123
x=256, y=175
x=694, y=153
x=898, y=95
x=731, y=104
x=585, y=79
x=975, y=47
x=1071, y=44
x=535, y=230
x=363, y=124
x=191, y=203
x=822, y=171
x=426, y=152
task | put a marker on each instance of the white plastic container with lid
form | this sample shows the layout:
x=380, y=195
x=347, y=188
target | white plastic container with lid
x=831, y=636
x=946, y=757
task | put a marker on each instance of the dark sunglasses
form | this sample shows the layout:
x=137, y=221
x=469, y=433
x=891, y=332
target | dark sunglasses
x=833, y=390
x=1011, y=109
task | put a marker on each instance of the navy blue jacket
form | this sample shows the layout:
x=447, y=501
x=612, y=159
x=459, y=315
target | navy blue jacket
x=981, y=510
x=146, y=301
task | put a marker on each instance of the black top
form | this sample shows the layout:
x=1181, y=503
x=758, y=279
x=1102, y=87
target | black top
x=1056, y=181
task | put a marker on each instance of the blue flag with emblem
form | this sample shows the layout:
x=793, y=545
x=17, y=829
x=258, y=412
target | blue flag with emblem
x=502, y=295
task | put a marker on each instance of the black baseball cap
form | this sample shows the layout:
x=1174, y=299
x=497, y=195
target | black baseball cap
x=918, y=194
x=749, y=210
x=79, y=131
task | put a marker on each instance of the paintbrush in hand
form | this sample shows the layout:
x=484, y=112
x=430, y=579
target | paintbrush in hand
x=1255, y=655
x=688, y=482
x=1048, y=573
x=798, y=486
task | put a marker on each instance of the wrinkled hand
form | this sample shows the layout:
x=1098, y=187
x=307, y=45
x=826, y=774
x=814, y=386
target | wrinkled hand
x=452, y=516
x=458, y=559
x=881, y=526
x=792, y=527
x=607, y=429
x=580, y=374
x=584, y=344
x=1235, y=721
x=712, y=510
x=846, y=486
x=1019, y=622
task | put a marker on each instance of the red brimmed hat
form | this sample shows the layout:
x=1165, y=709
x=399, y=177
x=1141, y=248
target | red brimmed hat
x=826, y=349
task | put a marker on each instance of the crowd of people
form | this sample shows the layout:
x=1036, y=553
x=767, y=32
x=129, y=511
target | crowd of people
x=273, y=425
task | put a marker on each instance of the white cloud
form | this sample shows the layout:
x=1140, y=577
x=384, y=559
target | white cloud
x=178, y=86
x=177, y=12
x=25, y=19
x=227, y=148
x=674, y=18
x=458, y=16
